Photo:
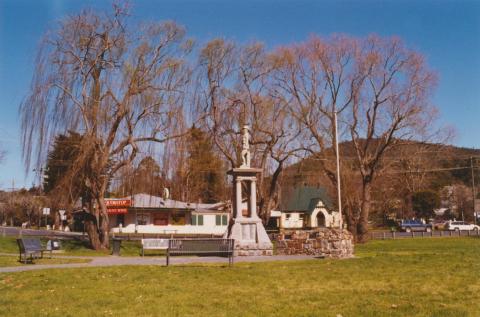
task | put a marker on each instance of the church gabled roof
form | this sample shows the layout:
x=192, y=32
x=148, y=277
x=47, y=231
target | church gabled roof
x=305, y=199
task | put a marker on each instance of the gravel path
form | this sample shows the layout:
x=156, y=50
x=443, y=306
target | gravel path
x=115, y=260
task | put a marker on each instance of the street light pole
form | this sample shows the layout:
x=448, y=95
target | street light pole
x=473, y=191
x=339, y=194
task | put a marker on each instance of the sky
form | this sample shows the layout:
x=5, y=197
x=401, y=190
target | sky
x=447, y=33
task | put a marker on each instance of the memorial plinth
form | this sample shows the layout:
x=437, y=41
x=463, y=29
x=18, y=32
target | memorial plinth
x=247, y=228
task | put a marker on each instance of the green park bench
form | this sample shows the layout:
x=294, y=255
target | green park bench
x=201, y=247
x=30, y=248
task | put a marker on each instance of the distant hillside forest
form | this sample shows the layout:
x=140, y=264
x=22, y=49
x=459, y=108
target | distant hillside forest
x=415, y=179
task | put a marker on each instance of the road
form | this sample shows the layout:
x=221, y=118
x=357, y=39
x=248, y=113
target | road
x=378, y=235
x=375, y=235
x=15, y=231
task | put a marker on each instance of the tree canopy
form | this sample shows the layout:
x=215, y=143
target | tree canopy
x=130, y=89
x=424, y=202
x=120, y=85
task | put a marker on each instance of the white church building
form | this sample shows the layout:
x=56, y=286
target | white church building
x=305, y=207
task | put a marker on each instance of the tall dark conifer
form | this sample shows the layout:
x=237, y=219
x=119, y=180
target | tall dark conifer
x=60, y=161
x=205, y=171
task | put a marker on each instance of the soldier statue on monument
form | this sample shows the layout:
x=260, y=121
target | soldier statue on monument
x=247, y=230
x=245, y=147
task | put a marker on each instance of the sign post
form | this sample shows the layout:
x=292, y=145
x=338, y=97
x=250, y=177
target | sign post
x=62, y=218
x=46, y=212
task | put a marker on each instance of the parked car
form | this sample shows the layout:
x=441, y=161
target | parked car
x=415, y=225
x=460, y=225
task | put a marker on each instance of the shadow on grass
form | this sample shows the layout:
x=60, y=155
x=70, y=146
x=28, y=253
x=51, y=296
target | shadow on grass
x=76, y=244
x=200, y=265
x=151, y=255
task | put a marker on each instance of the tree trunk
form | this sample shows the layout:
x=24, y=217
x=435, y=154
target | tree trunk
x=267, y=202
x=91, y=228
x=362, y=227
x=97, y=232
x=91, y=224
x=96, y=222
x=103, y=227
x=351, y=220
x=266, y=214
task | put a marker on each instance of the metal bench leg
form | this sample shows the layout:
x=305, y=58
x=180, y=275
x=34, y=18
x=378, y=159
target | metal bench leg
x=168, y=258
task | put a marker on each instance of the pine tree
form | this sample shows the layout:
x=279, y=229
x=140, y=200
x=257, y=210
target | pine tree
x=146, y=178
x=60, y=161
x=205, y=177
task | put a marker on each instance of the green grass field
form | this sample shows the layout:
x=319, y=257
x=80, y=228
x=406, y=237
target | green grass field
x=412, y=277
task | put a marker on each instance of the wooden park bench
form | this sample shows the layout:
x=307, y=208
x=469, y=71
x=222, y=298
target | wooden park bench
x=31, y=247
x=201, y=247
x=154, y=244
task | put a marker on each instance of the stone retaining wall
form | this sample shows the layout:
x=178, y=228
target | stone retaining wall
x=325, y=242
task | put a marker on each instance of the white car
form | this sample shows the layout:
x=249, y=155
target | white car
x=460, y=225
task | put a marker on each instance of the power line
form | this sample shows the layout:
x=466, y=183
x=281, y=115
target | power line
x=434, y=170
x=397, y=172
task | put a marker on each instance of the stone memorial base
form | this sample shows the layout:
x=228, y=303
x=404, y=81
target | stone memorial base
x=250, y=238
x=323, y=242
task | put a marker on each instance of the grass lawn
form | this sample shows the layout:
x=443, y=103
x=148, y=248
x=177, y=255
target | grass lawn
x=411, y=277
x=13, y=261
x=76, y=247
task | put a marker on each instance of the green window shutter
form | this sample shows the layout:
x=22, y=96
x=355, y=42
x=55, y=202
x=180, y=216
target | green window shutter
x=218, y=221
x=200, y=220
x=224, y=220
x=194, y=220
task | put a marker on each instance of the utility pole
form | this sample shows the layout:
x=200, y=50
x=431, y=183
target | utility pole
x=339, y=194
x=38, y=173
x=12, y=193
x=473, y=191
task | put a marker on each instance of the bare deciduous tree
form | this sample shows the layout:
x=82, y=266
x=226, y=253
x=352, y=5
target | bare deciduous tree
x=235, y=90
x=119, y=85
x=380, y=91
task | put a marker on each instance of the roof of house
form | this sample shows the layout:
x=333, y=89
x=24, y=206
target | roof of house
x=149, y=201
x=305, y=199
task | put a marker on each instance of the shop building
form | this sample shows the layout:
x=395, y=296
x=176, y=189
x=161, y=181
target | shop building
x=143, y=213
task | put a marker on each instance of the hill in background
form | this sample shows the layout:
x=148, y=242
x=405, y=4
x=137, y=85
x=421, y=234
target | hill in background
x=412, y=168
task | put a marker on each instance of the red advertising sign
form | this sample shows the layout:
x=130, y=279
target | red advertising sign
x=117, y=203
x=116, y=211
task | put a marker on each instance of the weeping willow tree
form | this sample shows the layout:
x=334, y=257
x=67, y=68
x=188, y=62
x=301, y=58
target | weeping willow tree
x=121, y=86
